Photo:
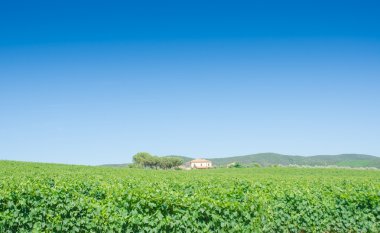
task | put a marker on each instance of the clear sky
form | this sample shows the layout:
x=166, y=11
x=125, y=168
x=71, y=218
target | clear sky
x=93, y=82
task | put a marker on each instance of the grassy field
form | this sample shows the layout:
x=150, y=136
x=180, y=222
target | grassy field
x=64, y=198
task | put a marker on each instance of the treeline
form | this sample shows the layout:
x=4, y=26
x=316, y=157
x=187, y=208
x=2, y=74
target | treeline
x=146, y=160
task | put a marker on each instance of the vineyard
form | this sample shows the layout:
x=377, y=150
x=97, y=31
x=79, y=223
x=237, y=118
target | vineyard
x=63, y=198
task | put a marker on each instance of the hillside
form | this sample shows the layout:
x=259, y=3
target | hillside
x=266, y=159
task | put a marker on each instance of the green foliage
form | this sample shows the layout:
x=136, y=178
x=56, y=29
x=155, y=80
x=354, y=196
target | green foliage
x=235, y=165
x=61, y=198
x=169, y=162
x=184, y=159
x=144, y=159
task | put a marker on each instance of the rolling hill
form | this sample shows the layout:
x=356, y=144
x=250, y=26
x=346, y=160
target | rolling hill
x=267, y=159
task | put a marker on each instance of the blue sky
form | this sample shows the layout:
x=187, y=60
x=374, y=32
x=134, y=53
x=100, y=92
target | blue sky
x=95, y=82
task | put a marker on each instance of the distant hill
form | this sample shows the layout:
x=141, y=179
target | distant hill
x=267, y=159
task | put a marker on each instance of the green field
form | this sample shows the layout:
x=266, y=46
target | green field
x=64, y=198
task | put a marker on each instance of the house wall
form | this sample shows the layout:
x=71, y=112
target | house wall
x=200, y=165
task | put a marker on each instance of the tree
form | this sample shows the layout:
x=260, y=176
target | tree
x=153, y=162
x=142, y=158
x=170, y=162
x=145, y=159
x=175, y=162
x=234, y=165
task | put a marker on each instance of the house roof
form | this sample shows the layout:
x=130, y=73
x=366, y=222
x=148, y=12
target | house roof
x=200, y=161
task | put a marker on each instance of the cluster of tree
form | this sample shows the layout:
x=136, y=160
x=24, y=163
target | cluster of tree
x=234, y=165
x=146, y=160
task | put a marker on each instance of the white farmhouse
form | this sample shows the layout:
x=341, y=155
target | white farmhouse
x=200, y=164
